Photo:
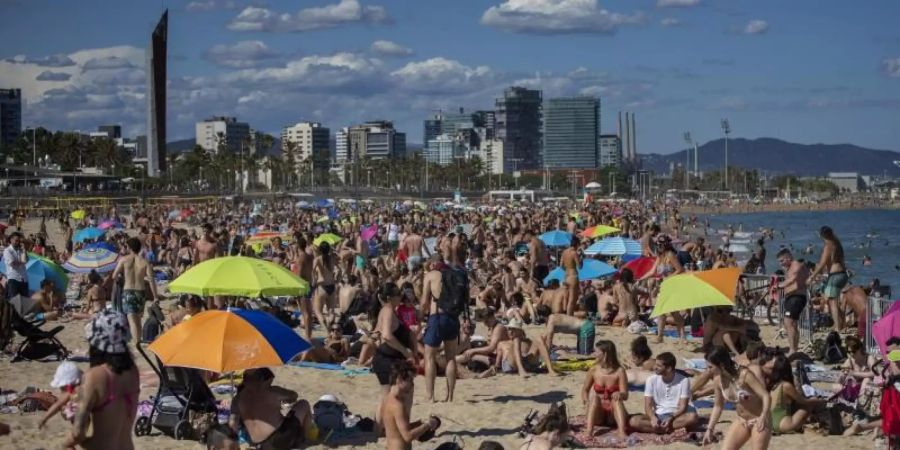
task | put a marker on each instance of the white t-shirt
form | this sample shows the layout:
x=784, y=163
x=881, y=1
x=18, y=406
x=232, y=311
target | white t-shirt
x=393, y=232
x=667, y=395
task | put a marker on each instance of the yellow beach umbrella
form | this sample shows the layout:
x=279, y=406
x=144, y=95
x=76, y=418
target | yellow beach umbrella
x=239, y=276
x=697, y=289
x=330, y=238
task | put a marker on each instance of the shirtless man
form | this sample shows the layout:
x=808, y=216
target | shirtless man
x=257, y=406
x=571, y=263
x=794, y=286
x=539, y=258
x=396, y=409
x=832, y=265
x=414, y=246
x=207, y=246
x=563, y=323
x=441, y=330
x=626, y=299
x=138, y=274
x=347, y=292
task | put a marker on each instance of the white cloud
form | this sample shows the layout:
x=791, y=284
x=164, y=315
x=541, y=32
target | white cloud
x=891, y=67
x=676, y=3
x=556, y=17
x=388, y=48
x=106, y=62
x=670, y=22
x=341, y=71
x=210, y=5
x=345, y=12
x=58, y=60
x=441, y=75
x=241, y=55
x=756, y=26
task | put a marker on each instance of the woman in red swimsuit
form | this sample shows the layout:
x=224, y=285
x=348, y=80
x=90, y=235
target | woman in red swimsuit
x=605, y=390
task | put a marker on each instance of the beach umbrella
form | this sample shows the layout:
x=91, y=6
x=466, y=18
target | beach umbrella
x=88, y=234
x=78, y=214
x=556, y=238
x=25, y=305
x=108, y=224
x=592, y=269
x=887, y=327
x=614, y=246
x=640, y=266
x=369, y=232
x=88, y=259
x=227, y=341
x=266, y=236
x=598, y=231
x=239, y=276
x=104, y=245
x=697, y=289
x=330, y=238
x=556, y=274
x=38, y=269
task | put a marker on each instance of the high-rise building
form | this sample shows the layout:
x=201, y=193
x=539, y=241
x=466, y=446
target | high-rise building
x=341, y=146
x=628, y=136
x=488, y=120
x=10, y=116
x=222, y=132
x=610, y=150
x=518, y=125
x=156, y=97
x=112, y=131
x=376, y=140
x=310, y=140
x=454, y=122
x=442, y=150
x=571, y=132
x=432, y=128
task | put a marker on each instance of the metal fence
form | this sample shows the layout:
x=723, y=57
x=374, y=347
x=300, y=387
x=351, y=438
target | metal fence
x=878, y=303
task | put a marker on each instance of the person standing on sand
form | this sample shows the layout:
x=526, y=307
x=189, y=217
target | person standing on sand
x=137, y=273
x=831, y=264
x=441, y=329
x=414, y=246
x=207, y=246
x=570, y=262
x=794, y=285
x=15, y=258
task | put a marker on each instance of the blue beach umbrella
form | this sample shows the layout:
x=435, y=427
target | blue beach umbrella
x=592, y=269
x=104, y=245
x=88, y=234
x=614, y=246
x=556, y=238
x=556, y=274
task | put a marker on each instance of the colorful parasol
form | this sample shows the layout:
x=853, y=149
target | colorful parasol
x=697, y=289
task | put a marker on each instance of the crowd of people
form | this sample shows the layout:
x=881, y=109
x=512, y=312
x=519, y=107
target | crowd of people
x=403, y=289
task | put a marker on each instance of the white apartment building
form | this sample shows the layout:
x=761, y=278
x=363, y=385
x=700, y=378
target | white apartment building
x=214, y=132
x=308, y=138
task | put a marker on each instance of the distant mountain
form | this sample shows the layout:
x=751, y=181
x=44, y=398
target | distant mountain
x=186, y=145
x=780, y=157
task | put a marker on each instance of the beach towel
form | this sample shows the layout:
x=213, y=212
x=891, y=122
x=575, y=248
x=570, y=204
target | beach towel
x=706, y=403
x=326, y=366
x=694, y=363
x=574, y=366
x=610, y=439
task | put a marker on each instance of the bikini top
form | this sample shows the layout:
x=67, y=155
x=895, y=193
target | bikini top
x=734, y=393
x=127, y=397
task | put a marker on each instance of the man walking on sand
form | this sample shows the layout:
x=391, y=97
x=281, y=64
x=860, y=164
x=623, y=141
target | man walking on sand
x=137, y=272
x=794, y=285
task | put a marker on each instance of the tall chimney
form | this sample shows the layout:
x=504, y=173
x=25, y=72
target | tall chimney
x=626, y=141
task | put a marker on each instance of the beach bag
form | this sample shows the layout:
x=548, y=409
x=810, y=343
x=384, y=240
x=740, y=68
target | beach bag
x=329, y=415
x=454, y=298
x=153, y=325
x=890, y=409
x=834, y=352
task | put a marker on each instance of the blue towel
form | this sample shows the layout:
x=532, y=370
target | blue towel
x=709, y=404
x=635, y=388
x=326, y=366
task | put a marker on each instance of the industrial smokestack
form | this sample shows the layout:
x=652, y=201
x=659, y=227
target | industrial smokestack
x=634, y=153
x=626, y=141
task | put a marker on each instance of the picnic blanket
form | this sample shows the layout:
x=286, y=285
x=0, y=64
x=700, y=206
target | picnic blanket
x=611, y=439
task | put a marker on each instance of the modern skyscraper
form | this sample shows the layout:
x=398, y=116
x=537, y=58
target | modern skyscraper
x=610, y=150
x=455, y=122
x=112, y=131
x=214, y=133
x=10, y=116
x=342, y=146
x=310, y=140
x=432, y=128
x=518, y=115
x=571, y=133
x=156, y=97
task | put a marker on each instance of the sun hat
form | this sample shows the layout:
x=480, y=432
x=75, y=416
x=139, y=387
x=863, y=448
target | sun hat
x=67, y=374
x=108, y=331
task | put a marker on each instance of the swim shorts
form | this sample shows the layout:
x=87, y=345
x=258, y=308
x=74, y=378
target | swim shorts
x=793, y=306
x=834, y=284
x=441, y=327
x=586, y=336
x=413, y=262
x=133, y=301
x=360, y=262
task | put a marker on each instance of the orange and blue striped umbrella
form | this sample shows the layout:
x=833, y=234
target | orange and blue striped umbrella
x=226, y=341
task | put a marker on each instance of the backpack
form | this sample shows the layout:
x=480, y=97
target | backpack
x=890, y=409
x=329, y=416
x=454, y=298
x=834, y=352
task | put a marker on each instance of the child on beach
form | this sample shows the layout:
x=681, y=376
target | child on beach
x=67, y=379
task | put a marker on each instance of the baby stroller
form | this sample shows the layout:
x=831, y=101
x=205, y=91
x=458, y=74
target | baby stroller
x=39, y=343
x=184, y=407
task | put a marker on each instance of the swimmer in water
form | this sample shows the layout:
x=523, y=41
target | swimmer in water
x=867, y=261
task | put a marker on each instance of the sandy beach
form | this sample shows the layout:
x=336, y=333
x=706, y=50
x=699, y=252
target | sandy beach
x=488, y=409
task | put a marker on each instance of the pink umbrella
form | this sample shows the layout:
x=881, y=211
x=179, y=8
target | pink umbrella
x=887, y=327
x=107, y=224
x=369, y=232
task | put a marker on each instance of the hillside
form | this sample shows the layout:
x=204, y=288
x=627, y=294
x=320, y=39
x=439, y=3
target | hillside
x=777, y=156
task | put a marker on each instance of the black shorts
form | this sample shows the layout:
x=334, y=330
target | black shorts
x=383, y=363
x=793, y=306
x=540, y=272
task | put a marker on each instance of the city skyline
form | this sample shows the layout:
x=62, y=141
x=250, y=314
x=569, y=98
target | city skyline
x=810, y=71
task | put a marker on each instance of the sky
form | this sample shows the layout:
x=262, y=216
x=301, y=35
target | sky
x=807, y=71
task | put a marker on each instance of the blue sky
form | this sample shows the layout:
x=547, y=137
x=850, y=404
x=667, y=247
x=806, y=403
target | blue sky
x=802, y=70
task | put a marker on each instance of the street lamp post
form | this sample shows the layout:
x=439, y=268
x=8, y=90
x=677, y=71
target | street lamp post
x=726, y=128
